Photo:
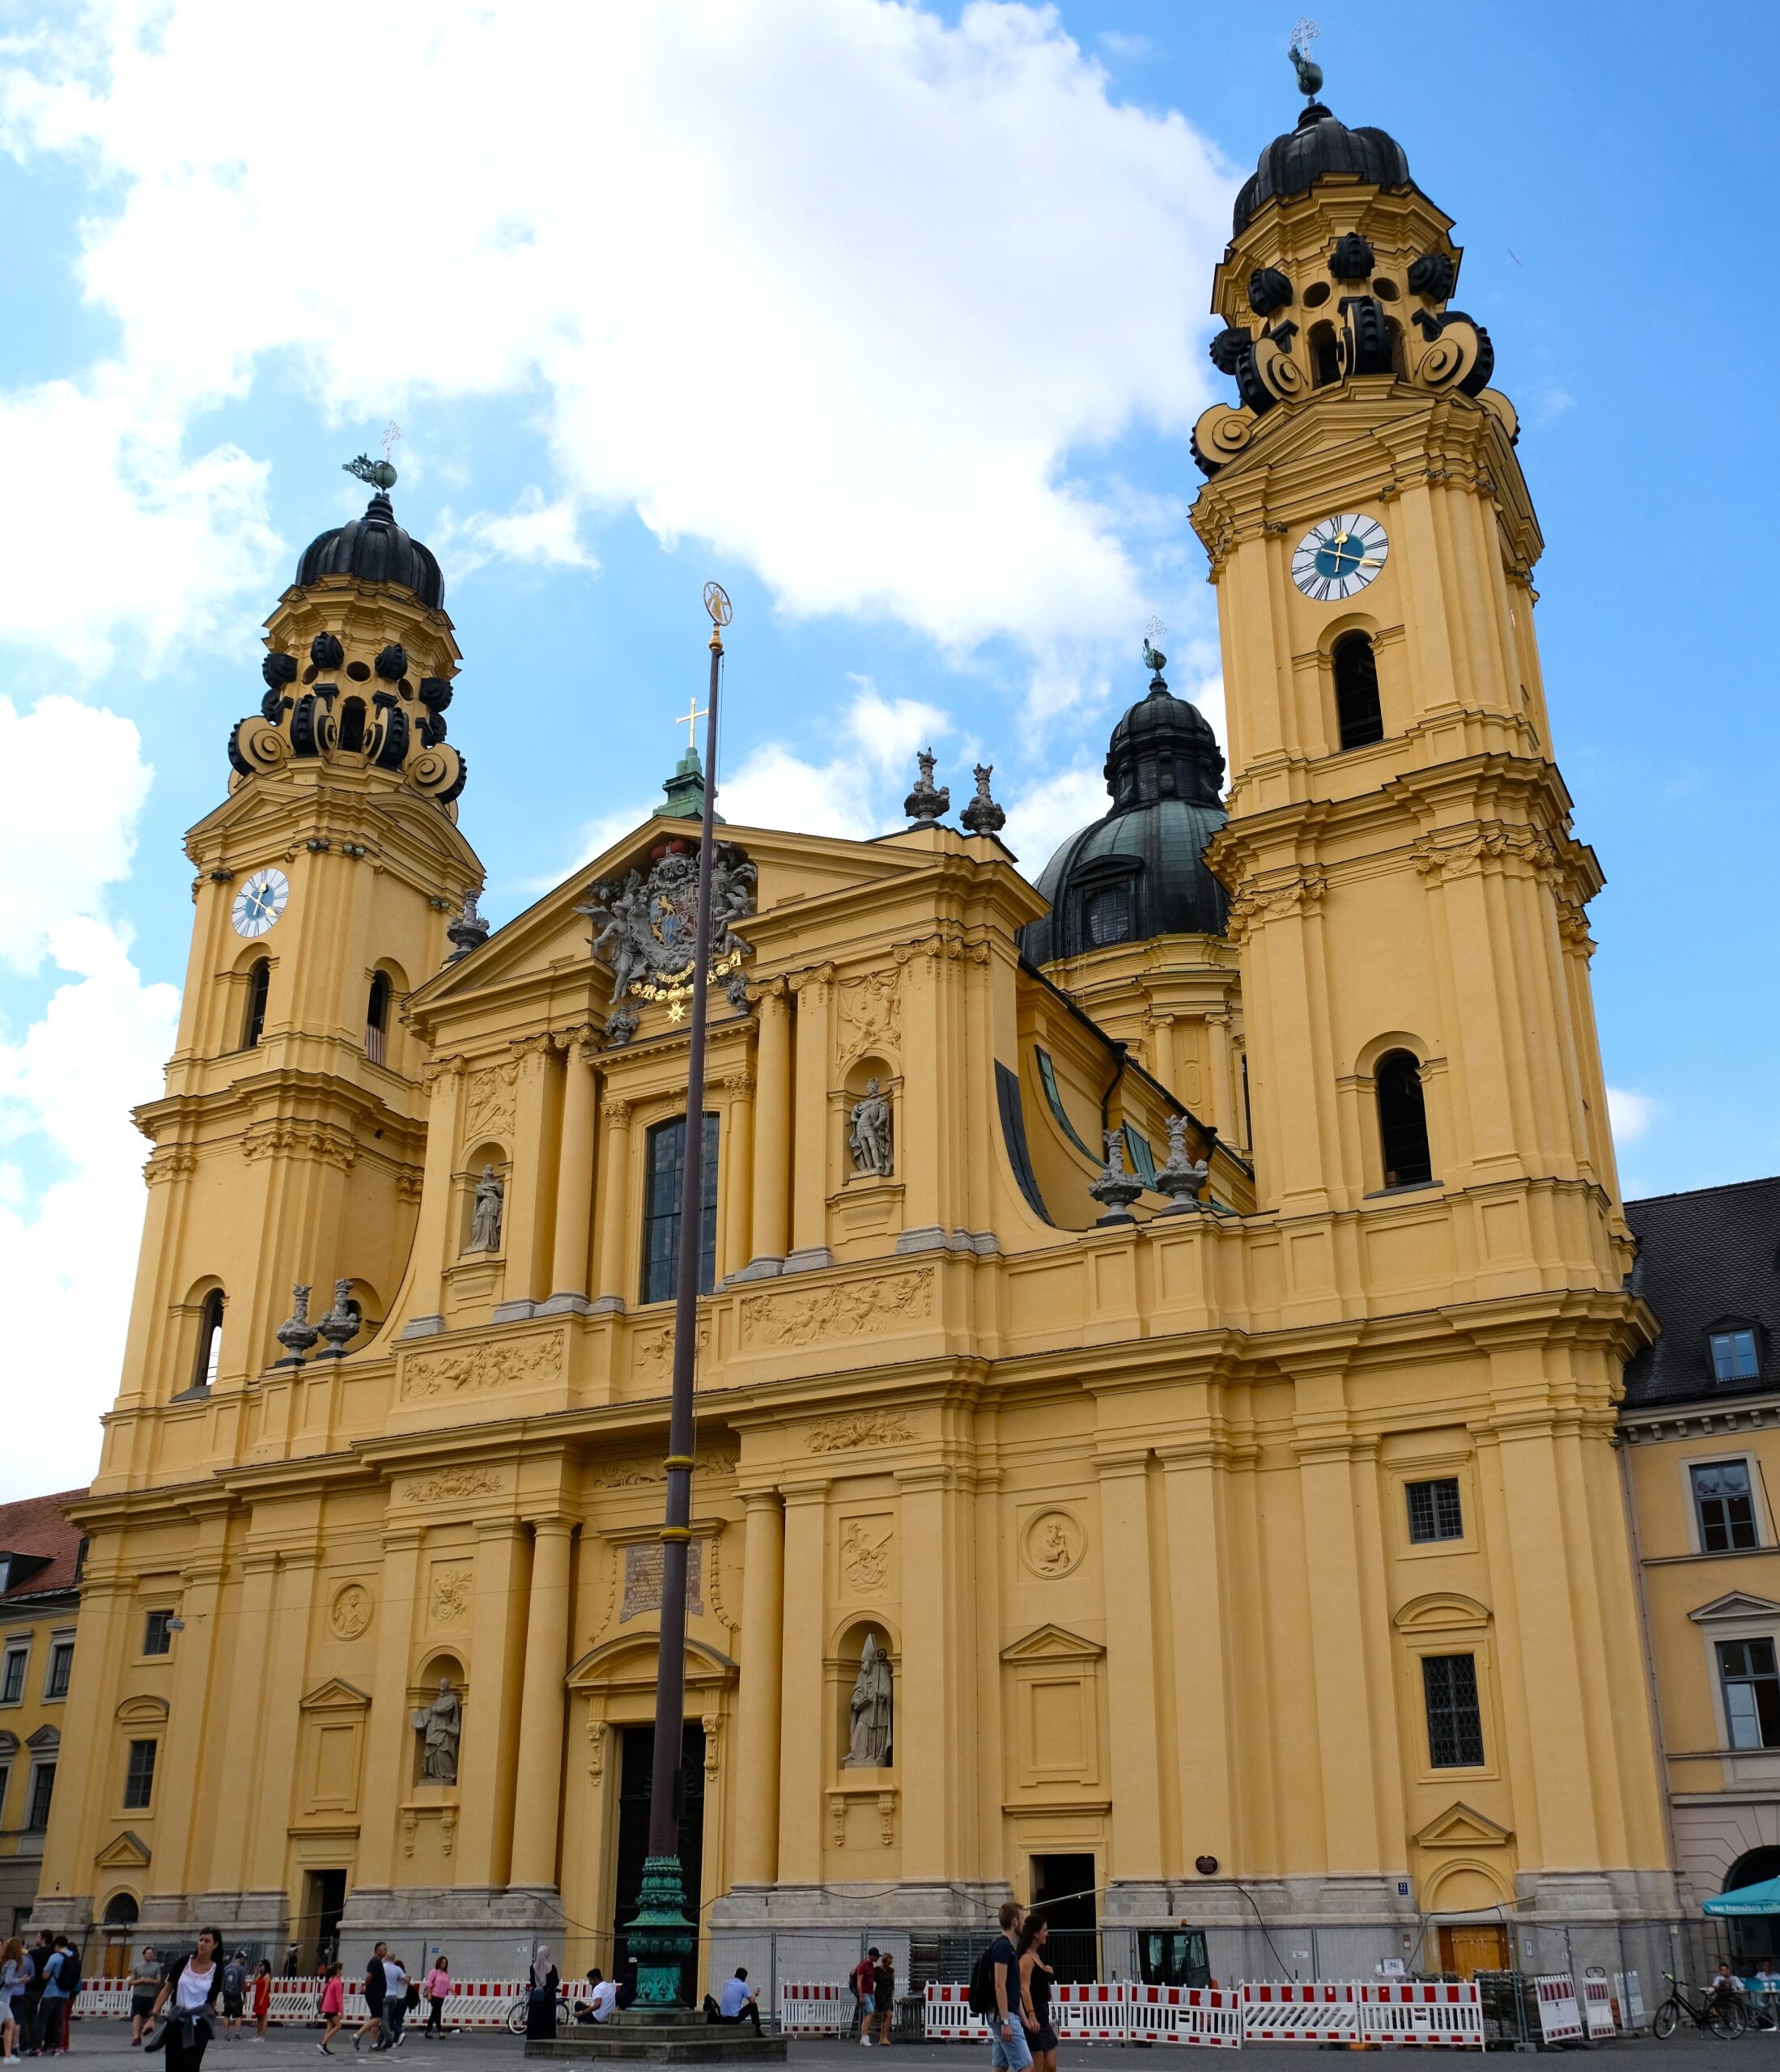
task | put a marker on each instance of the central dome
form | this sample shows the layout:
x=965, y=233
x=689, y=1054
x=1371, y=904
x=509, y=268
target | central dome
x=375, y=550
x=1318, y=148
x=1141, y=870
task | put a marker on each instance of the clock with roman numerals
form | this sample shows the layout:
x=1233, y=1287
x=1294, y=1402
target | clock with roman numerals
x=1338, y=557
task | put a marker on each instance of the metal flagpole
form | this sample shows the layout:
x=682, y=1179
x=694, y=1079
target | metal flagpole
x=662, y=1937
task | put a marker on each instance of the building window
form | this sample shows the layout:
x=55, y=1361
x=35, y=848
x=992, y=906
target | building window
x=1724, y=1503
x=1403, y=1122
x=352, y=726
x=1734, y=1356
x=661, y=1210
x=12, y=1677
x=5, y=1779
x=158, y=1634
x=1456, y=1736
x=43, y=1786
x=1358, y=715
x=139, y=1776
x=1325, y=355
x=1434, y=1510
x=1751, y=1693
x=1047, y=1075
x=62, y=1665
x=259, y=985
x=1108, y=916
x=209, y=1340
x=377, y=1019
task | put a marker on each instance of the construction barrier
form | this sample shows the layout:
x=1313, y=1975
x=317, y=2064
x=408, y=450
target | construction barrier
x=1090, y=2014
x=1207, y=2015
x=821, y=2008
x=1598, y=2009
x=1628, y=2002
x=947, y=2016
x=474, y=2004
x=1445, y=2014
x=1277, y=2013
x=1560, y=2017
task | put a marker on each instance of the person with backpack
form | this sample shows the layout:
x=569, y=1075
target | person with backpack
x=61, y=1983
x=994, y=1994
x=191, y=1988
x=233, y=1995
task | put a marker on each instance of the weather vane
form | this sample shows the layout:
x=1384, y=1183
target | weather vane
x=1154, y=659
x=380, y=474
x=1310, y=73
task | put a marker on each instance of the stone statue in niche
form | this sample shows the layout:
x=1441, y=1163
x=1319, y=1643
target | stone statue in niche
x=485, y=1214
x=439, y=1725
x=869, y=1707
x=868, y=1132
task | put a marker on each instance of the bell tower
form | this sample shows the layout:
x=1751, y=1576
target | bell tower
x=332, y=880
x=1407, y=894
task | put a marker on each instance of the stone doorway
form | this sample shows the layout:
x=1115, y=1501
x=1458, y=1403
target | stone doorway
x=1471, y=1946
x=636, y=1757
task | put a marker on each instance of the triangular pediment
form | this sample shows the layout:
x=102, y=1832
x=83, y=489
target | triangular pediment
x=45, y=1739
x=1438, y=1610
x=334, y=1696
x=126, y=1851
x=267, y=811
x=1052, y=1644
x=1734, y=1604
x=8, y=1742
x=1464, y=1827
x=142, y=1710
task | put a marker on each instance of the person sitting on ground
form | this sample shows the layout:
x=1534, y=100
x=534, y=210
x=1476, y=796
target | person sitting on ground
x=626, y=1993
x=738, y=2004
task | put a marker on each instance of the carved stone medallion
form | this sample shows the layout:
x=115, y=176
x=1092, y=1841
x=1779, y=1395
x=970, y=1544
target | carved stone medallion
x=1053, y=1544
x=350, y=1612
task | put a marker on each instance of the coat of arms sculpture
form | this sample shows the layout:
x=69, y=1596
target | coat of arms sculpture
x=647, y=927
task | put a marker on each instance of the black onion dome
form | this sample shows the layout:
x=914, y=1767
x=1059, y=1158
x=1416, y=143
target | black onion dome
x=375, y=550
x=1318, y=147
x=1141, y=872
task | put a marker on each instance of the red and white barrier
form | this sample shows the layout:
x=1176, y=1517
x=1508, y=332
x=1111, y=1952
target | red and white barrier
x=1628, y=2002
x=1598, y=2009
x=821, y=2008
x=1278, y=2013
x=483, y=2003
x=1408, y=2013
x=1560, y=2016
x=1089, y=2013
x=948, y=2018
x=1209, y=2016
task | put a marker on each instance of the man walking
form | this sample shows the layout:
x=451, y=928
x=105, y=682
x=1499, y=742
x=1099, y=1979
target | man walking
x=1008, y=2050
x=374, y=1987
x=864, y=1977
x=233, y=1995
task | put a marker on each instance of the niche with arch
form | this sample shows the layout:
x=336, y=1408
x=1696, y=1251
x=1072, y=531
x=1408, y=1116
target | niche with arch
x=1359, y=715
x=842, y=1670
x=259, y=992
x=1404, y=1154
x=489, y=1152
x=437, y=1665
x=207, y=1351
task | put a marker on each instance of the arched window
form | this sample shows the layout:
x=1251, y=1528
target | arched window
x=259, y=984
x=377, y=1018
x=1403, y=1122
x=209, y=1340
x=352, y=725
x=1108, y=915
x=667, y=1150
x=1357, y=713
x=121, y=1911
x=1325, y=355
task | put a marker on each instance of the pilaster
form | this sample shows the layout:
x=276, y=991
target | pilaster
x=761, y=1695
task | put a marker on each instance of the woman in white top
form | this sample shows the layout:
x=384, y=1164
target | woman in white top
x=395, y=2004
x=192, y=1989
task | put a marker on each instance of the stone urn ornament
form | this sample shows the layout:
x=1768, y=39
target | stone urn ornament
x=1181, y=1177
x=342, y=1322
x=1116, y=1188
x=296, y=1334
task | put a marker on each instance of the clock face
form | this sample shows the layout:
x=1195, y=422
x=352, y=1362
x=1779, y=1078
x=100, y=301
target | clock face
x=260, y=901
x=1339, y=557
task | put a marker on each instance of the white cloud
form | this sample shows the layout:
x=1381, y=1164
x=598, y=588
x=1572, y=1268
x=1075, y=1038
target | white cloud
x=830, y=284
x=1047, y=813
x=1631, y=1114
x=546, y=534
x=68, y=1244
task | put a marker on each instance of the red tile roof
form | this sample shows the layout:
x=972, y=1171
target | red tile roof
x=36, y=1525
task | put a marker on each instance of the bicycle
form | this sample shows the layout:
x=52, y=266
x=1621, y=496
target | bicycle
x=516, y=2014
x=1724, y=2014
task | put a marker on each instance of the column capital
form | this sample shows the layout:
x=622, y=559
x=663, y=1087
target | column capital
x=761, y=1500
x=806, y=1493
x=553, y=1523
x=1131, y=1461
x=404, y=1539
x=617, y=1111
x=740, y=1083
x=817, y=974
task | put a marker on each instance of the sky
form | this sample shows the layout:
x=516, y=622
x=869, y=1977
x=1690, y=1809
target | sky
x=891, y=317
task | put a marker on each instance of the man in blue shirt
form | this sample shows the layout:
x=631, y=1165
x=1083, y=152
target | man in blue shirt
x=55, y=2001
x=1008, y=2049
x=738, y=2004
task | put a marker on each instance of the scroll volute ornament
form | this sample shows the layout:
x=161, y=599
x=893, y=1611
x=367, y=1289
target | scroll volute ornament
x=1456, y=353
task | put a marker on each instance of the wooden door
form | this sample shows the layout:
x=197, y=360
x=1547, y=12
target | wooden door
x=1474, y=1947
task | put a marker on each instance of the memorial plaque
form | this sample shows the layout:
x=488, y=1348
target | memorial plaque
x=643, y=1579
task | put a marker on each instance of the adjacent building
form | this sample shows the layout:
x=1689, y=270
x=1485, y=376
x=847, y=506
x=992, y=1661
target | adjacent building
x=39, y=1601
x=1166, y=1313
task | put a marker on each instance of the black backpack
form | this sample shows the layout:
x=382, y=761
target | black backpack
x=983, y=2001
x=70, y=1972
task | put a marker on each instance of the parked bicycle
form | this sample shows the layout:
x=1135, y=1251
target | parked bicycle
x=516, y=2014
x=1723, y=2014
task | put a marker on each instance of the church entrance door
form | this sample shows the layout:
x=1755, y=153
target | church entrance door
x=636, y=1756
x=1063, y=1890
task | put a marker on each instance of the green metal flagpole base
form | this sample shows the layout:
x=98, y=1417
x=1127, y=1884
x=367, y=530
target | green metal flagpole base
x=660, y=1938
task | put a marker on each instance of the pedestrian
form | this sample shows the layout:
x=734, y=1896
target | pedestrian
x=145, y=1981
x=540, y=2001
x=626, y=1993
x=59, y=1968
x=263, y=1999
x=12, y=1986
x=884, y=1996
x=864, y=1977
x=395, y=2003
x=191, y=1989
x=738, y=2004
x=1007, y=2049
x=334, y=2006
x=605, y=1996
x=233, y=1995
x=374, y=1989
x=290, y=1960
x=438, y=1993
x=1036, y=1977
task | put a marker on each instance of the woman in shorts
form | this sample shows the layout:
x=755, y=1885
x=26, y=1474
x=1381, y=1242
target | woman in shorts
x=884, y=1996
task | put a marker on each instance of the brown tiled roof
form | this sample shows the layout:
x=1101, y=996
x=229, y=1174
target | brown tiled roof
x=36, y=1525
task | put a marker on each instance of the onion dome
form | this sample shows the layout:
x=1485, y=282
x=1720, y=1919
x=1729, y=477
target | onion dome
x=1319, y=148
x=375, y=550
x=1141, y=870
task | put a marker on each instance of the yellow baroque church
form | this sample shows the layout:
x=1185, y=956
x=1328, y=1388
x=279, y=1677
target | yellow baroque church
x=1174, y=1311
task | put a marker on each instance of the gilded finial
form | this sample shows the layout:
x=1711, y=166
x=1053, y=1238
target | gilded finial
x=716, y=602
x=1310, y=73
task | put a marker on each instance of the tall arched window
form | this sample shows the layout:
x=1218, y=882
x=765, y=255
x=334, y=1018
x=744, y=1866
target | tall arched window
x=209, y=1340
x=377, y=1018
x=1357, y=713
x=352, y=725
x=259, y=985
x=1403, y=1122
x=1325, y=355
x=667, y=1151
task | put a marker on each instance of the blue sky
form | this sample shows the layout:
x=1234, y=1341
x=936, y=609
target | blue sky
x=894, y=320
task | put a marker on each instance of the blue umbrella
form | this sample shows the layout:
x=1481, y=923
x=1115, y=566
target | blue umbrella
x=1764, y=1898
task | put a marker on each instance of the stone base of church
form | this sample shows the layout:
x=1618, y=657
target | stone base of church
x=488, y=1931
x=666, y=2036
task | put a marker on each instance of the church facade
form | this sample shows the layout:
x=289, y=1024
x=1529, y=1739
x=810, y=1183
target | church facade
x=1165, y=1322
